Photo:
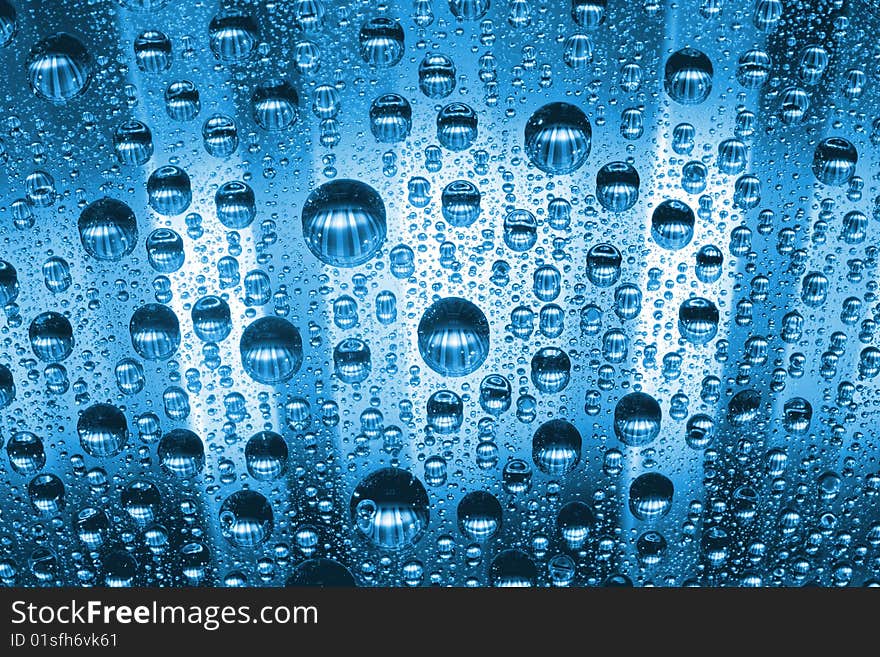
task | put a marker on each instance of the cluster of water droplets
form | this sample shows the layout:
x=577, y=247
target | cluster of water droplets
x=439, y=292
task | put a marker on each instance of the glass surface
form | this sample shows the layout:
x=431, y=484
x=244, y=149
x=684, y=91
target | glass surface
x=471, y=293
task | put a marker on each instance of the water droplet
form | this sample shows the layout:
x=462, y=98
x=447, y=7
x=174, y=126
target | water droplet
x=351, y=360
x=469, y=10
x=344, y=223
x=7, y=387
x=390, y=118
x=275, y=105
x=236, y=204
x=556, y=447
x=558, y=137
x=246, y=519
x=688, y=76
x=181, y=453
x=271, y=350
x=453, y=337
x=603, y=265
x=456, y=126
x=574, y=522
x=436, y=75
x=133, y=142
x=382, y=42
x=108, y=229
x=47, y=493
x=59, y=68
x=51, y=337
x=220, y=135
x=617, y=186
x=551, y=370
x=698, y=320
x=479, y=516
x=520, y=230
x=390, y=508
x=834, y=161
x=233, y=35
x=155, y=332
x=26, y=453
x=103, y=430
x=672, y=224
x=152, y=51
x=512, y=568
x=182, y=101
x=169, y=190
x=588, y=13
x=637, y=419
x=650, y=496
x=445, y=411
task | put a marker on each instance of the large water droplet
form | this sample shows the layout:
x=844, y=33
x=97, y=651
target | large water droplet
x=220, y=135
x=650, y=496
x=212, y=320
x=59, y=68
x=574, y=522
x=233, y=35
x=382, y=42
x=344, y=223
x=556, y=447
x=351, y=360
x=469, y=10
x=275, y=105
x=672, y=224
x=436, y=75
x=688, y=76
x=479, y=515
x=165, y=250
x=266, y=456
x=133, y=142
x=152, y=51
x=558, y=137
x=181, y=453
x=617, y=186
x=51, y=337
x=603, y=265
x=834, y=161
x=390, y=118
x=698, y=320
x=271, y=350
x=461, y=203
x=456, y=126
x=453, y=337
x=26, y=453
x=445, y=411
x=236, y=204
x=520, y=230
x=142, y=501
x=246, y=519
x=390, y=508
x=637, y=419
x=46, y=492
x=514, y=569
x=103, y=430
x=169, y=190
x=551, y=370
x=108, y=229
x=155, y=331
